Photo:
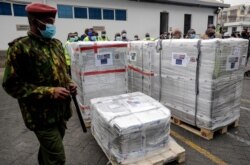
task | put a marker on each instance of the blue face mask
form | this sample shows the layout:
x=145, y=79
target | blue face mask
x=49, y=31
x=72, y=39
x=93, y=38
x=192, y=36
x=90, y=33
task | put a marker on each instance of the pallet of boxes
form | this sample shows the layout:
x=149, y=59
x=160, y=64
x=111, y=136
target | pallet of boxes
x=130, y=128
x=134, y=129
x=99, y=69
x=200, y=81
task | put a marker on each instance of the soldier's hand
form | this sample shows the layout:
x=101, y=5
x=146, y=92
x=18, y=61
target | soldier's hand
x=72, y=88
x=60, y=93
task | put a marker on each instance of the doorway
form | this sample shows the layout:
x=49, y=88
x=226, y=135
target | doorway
x=163, y=22
x=187, y=23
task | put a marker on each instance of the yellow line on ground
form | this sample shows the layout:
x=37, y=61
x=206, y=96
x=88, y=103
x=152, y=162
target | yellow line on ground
x=245, y=101
x=202, y=151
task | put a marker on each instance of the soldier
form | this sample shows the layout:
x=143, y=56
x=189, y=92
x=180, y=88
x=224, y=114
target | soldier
x=36, y=74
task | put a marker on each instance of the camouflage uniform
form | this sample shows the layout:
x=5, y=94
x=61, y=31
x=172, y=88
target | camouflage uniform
x=34, y=67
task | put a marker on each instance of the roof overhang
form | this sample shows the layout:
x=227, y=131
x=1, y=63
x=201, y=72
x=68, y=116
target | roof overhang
x=199, y=3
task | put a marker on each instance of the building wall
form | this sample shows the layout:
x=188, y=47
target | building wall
x=141, y=18
x=242, y=18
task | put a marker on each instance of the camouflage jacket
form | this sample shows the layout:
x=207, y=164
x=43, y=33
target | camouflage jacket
x=34, y=67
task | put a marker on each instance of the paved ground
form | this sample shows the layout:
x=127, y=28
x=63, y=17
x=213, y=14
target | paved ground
x=18, y=145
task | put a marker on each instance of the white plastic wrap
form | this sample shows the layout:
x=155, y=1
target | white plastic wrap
x=140, y=66
x=99, y=69
x=217, y=81
x=220, y=81
x=178, y=75
x=206, y=95
x=129, y=126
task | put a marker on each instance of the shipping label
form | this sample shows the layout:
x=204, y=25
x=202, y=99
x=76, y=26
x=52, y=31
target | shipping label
x=103, y=59
x=132, y=56
x=233, y=60
x=180, y=59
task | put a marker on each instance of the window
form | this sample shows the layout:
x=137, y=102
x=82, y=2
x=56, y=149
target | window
x=242, y=9
x=164, y=17
x=5, y=8
x=224, y=16
x=108, y=14
x=19, y=10
x=232, y=18
x=80, y=12
x=234, y=29
x=225, y=29
x=95, y=13
x=233, y=12
x=65, y=11
x=210, y=20
x=121, y=15
x=242, y=12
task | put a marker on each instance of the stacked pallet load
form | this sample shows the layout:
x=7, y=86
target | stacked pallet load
x=220, y=81
x=130, y=127
x=201, y=80
x=99, y=69
x=140, y=66
x=178, y=76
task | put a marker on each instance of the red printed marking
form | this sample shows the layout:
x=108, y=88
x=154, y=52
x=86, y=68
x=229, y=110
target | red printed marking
x=84, y=107
x=140, y=71
x=103, y=72
x=95, y=47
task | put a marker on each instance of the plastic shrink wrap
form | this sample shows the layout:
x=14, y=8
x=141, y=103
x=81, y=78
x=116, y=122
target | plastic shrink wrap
x=141, y=56
x=178, y=74
x=220, y=81
x=99, y=69
x=130, y=126
x=201, y=80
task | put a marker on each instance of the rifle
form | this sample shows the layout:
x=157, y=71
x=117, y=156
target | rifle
x=79, y=113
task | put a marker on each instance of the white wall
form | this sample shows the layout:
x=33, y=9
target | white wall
x=141, y=18
x=8, y=30
x=230, y=30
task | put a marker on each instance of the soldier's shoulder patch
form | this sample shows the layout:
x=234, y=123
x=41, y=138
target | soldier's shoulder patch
x=16, y=40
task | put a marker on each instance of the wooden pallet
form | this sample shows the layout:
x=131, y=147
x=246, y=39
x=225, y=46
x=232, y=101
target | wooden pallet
x=87, y=124
x=203, y=132
x=173, y=152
